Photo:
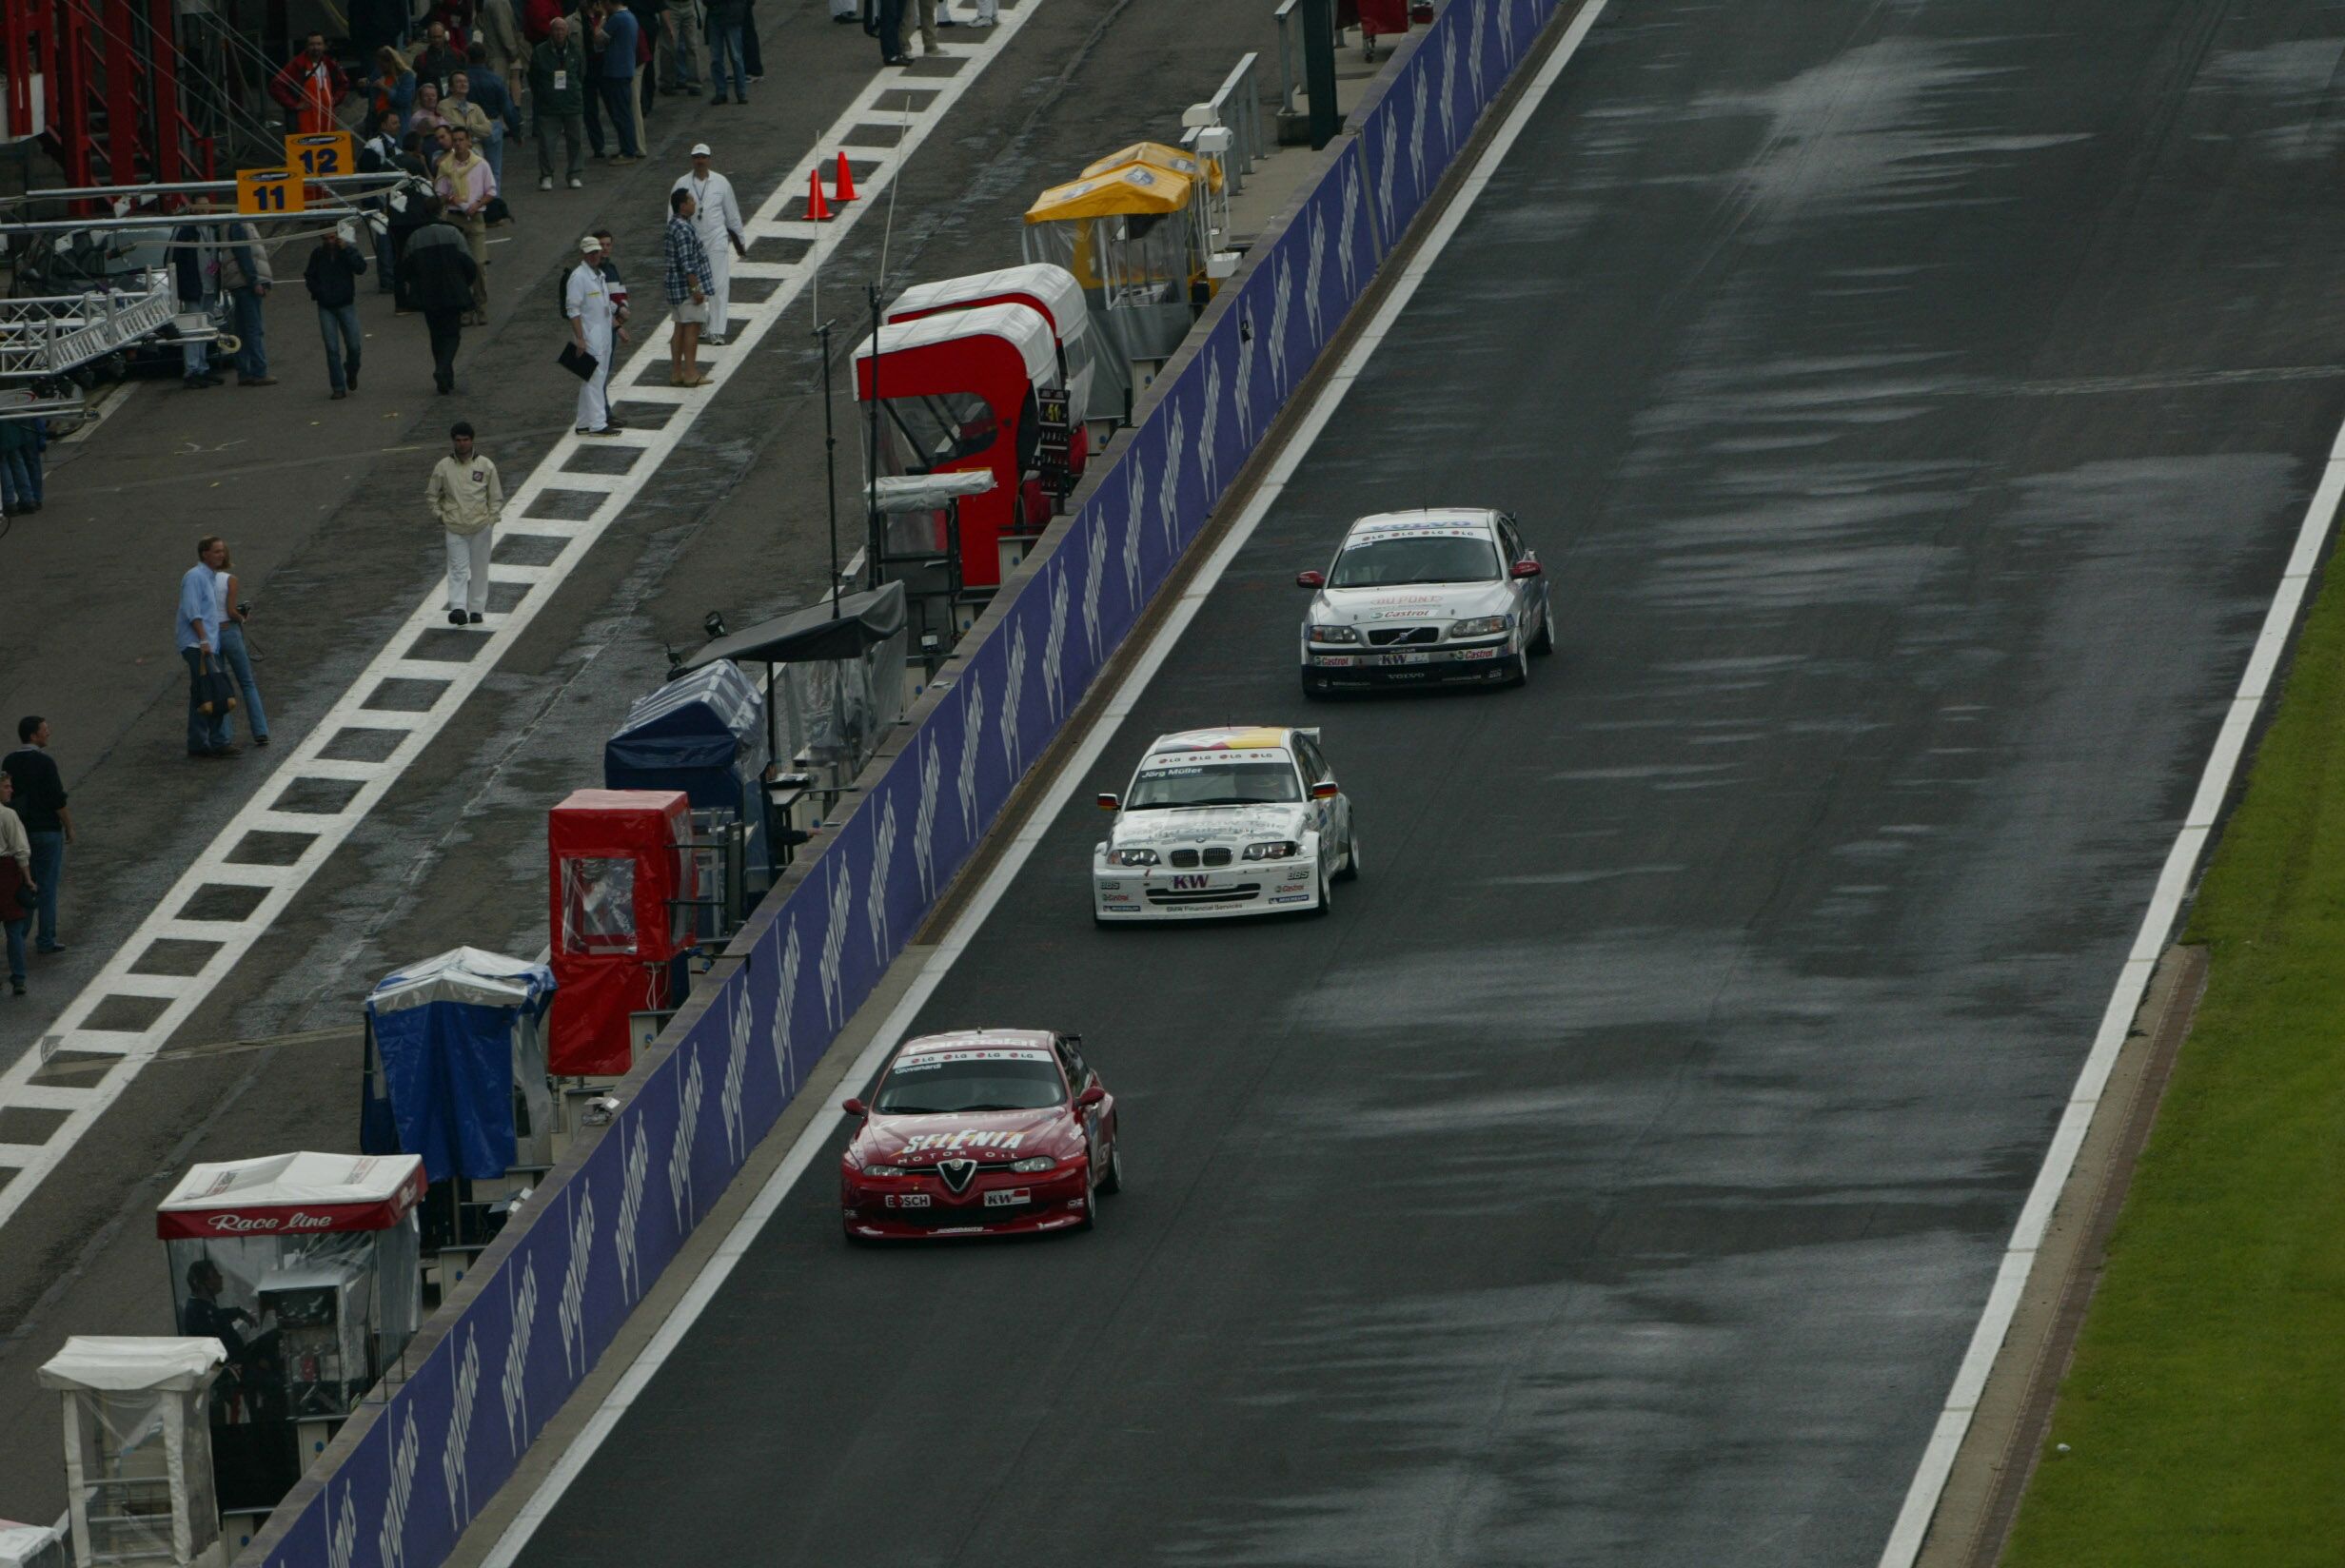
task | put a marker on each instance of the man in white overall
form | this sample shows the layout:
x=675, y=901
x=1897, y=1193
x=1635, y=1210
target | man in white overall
x=586, y=300
x=717, y=216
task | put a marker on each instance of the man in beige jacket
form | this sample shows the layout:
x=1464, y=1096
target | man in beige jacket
x=466, y=495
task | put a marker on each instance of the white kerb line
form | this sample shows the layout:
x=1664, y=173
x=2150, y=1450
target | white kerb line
x=274, y=887
x=2174, y=884
x=1053, y=801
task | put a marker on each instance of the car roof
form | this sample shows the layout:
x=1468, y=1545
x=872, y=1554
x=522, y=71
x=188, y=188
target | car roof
x=1258, y=737
x=964, y=1039
x=1427, y=516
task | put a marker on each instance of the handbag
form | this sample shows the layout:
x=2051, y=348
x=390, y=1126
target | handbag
x=15, y=891
x=215, y=692
x=577, y=361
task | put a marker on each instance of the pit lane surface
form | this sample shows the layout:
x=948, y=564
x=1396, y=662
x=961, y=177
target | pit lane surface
x=1917, y=415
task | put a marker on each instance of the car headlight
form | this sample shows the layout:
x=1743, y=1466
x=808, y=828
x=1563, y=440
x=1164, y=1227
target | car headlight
x=884, y=1170
x=1277, y=849
x=1481, y=626
x=1039, y=1161
x=1334, y=633
x=1132, y=857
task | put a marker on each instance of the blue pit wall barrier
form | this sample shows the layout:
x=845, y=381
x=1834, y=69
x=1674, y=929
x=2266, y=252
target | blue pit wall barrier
x=406, y=1476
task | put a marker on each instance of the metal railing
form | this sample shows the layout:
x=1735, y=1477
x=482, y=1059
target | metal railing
x=48, y=337
x=1237, y=105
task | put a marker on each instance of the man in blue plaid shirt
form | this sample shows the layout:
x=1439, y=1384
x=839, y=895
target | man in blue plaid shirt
x=689, y=278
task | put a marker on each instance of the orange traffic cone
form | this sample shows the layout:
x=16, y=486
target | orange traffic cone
x=843, y=189
x=818, y=210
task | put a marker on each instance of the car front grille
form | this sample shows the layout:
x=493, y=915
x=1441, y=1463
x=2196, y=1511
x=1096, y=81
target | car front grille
x=1235, y=893
x=1395, y=637
x=1188, y=859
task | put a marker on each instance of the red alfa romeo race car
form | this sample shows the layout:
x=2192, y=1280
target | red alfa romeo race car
x=981, y=1132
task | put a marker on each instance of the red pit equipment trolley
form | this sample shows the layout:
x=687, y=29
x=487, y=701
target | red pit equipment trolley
x=956, y=393
x=1052, y=292
x=621, y=914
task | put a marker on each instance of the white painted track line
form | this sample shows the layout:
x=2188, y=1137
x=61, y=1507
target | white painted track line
x=822, y=1128
x=2157, y=926
x=25, y=1166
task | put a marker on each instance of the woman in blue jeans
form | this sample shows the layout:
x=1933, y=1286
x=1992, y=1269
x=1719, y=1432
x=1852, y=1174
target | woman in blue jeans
x=236, y=655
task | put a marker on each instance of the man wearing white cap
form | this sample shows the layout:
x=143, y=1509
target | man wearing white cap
x=586, y=300
x=717, y=216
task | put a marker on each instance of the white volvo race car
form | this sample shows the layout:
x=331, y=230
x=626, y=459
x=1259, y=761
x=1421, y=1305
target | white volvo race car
x=1425, y=599
x=1224, y=822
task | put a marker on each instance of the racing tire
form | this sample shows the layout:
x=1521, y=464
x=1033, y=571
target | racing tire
x=1544, y=642
x=1090, y=1199
x=1351, y=858
x=1520, y=673
x=1326, y=894
x=1114, y=1181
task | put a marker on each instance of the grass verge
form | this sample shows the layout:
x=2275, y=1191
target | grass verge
x=2205, y=1408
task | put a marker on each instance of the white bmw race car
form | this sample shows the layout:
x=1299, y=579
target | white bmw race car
x=1423, y=598
x=1221, y=822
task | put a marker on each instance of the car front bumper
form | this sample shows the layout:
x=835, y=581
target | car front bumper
x=1372, y=667
x=921, y=1207
x=1245, y=887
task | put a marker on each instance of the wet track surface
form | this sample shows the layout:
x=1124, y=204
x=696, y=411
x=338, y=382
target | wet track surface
x=1915, y=415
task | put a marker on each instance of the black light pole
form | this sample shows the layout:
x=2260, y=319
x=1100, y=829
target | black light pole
x=871, y=449
x=1319, y=68
x=829, y=463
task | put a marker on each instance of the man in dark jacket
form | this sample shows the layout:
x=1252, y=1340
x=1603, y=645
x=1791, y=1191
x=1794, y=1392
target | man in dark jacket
x=441, y=265
x=195, y=279
x=558, y=94
x=332, y=276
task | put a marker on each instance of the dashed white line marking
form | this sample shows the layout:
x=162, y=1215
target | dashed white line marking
x=25, y=1166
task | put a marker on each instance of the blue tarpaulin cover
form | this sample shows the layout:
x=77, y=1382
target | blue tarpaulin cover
x=703, y=733
x=451, y=1039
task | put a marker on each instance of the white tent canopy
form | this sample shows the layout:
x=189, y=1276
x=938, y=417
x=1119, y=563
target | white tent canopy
x=113, y=1363
x=1021, y=328
x=461, y=975
x=1061, y=297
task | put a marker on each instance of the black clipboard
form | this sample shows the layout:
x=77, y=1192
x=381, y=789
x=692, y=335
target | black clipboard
x=578, y=362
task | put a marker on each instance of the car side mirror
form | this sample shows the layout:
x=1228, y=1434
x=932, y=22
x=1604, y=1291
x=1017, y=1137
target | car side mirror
x=1108, y=802
x=1524, y=569
x=1310, y=580
x=1090, y=1097
x=855, y=1109
x=1327, y=789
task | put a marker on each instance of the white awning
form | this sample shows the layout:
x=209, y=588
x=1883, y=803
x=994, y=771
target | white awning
x=291, y=1193
x=929, y=491
x=115, y=1363
x=1051, y=286
x=1021, y=327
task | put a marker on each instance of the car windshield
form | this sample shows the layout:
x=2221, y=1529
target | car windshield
x=953, y=1082
x=1423, y=558
x=1209, y=783
x=91, y=256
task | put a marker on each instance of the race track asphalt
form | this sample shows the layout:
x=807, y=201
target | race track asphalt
x=1916, y=405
